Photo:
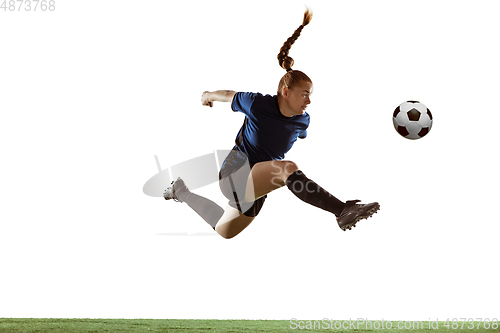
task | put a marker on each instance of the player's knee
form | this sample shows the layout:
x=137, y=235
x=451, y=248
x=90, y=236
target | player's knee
x=281, y=171
x=289, y=168
x=225, y=233
x=226, y=236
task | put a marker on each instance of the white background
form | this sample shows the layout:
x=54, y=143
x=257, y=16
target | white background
x=90, y=92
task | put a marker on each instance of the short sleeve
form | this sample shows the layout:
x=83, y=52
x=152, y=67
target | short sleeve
x=243, y=101
x=303, y=135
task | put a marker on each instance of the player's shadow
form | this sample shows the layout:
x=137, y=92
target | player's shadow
x=183, y=234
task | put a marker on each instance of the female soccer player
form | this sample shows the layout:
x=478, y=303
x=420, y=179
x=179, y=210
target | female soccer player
x=255, y=166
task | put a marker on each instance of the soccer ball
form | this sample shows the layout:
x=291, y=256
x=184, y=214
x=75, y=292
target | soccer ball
x=412, y=120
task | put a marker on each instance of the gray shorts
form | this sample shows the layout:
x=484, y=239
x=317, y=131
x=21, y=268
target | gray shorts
x=233, y=177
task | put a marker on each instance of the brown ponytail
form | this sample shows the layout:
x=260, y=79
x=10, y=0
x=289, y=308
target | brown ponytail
x=284, y=60
x=292, y=77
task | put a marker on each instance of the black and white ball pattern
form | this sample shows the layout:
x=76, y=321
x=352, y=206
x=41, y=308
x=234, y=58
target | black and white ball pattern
x=412, y=119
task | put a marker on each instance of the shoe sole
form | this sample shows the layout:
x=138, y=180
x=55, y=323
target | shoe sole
x=174, y=192
x=368, y=214
x=168, y=198
x=173, y=197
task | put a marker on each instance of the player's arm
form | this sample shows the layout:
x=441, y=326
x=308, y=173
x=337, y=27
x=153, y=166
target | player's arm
x=209, y=97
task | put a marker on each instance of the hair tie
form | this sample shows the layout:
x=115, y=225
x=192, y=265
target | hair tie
x=289, y=70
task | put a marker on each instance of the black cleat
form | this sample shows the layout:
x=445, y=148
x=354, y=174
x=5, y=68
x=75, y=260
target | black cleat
x=354, y=212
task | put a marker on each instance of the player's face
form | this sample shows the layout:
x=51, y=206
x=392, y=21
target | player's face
x=298, y=97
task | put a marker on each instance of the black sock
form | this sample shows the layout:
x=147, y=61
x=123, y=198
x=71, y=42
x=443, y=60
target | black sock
x=207, y=209
x=310, y=192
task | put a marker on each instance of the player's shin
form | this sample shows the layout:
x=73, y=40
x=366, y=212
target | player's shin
x=207, y=209
x=310, y=192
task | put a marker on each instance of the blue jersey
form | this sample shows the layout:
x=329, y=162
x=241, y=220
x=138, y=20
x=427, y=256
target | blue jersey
x=266, y=134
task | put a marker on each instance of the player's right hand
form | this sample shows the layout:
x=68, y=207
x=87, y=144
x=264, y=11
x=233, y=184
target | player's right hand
x=205, y=100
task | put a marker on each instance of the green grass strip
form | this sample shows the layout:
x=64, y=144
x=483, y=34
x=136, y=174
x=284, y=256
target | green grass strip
x=8, y=325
